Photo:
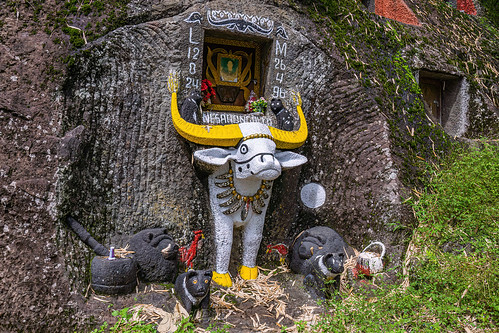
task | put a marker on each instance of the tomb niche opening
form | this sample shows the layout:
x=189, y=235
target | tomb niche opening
x=446, y=100
x=236, y=69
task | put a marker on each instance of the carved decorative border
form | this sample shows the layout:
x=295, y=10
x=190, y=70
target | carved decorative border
x=241, y=22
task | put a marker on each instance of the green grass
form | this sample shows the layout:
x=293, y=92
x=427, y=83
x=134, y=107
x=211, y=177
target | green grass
x=454, y=261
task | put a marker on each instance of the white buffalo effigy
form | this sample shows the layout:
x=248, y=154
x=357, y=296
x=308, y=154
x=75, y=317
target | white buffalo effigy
x=240, y=183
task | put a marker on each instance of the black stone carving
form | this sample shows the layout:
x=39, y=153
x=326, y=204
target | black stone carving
x=318, y=253
x=83, y=234
x=156, y=257
x=190, y=107
x=194, y=17
x=239, y=22
x=285, y=120
x=193, y=289
x=325, y=268
x=156, y=254
x=117, y=276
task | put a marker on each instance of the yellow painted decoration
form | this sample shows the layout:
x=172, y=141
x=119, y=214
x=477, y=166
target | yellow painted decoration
x=230, y=135
x=248, y=273
x=173, y=81
x=223, y=280
x=290, y=140
x=217, y=135
x=256, y=136
x=295, y=95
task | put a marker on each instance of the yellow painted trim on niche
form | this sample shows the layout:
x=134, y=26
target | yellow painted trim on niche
x=209, y=135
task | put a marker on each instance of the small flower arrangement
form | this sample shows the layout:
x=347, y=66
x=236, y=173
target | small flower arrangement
x=207, y=91
x=260, y=105
x=252, y=97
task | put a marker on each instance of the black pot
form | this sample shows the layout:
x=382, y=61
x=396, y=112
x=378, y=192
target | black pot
x=118, y=276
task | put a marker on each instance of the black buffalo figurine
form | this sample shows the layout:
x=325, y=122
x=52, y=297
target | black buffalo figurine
x=285, y=120
x=318, y=253
x=193, y=289
x=324, y=279
x=155, y=257
x=156, y=254
x=190, y=107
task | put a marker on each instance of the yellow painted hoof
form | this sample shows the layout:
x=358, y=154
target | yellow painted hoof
x=222, y=279
x=248, y=273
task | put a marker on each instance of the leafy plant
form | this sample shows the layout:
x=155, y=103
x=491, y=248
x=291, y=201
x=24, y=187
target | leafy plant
x=458, y=233
x=185, y=326
x=260, y=105
x=213, y=329
x=492, y=12
x=102, y=17
x=125, y=324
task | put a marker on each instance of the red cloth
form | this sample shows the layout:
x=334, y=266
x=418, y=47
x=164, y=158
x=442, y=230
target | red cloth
x=188, y=255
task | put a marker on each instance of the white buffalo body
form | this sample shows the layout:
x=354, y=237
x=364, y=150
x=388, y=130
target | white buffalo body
x=254, y=160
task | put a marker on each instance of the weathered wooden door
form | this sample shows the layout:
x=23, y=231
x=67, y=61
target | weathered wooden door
x=432, y=96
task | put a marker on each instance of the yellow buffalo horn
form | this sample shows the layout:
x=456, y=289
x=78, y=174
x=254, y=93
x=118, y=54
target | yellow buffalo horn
x=294, y=139
x=230, y=135
x=216, y=135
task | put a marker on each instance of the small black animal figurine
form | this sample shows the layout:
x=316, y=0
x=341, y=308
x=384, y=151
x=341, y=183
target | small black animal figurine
x=318, y=253
x=193, y=289
x=190, y=107
x=324, y=279
x=156, y=254
x=285, y=120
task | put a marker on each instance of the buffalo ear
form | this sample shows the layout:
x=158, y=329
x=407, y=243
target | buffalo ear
x=191, y=273
x=211, y=158
x=289, y=160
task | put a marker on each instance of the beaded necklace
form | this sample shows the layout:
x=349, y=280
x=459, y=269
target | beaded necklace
x=237, y=200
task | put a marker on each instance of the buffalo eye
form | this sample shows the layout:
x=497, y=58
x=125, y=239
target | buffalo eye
x=243, y=149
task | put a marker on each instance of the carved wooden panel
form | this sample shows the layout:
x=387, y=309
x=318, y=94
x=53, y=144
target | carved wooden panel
x=233, y=67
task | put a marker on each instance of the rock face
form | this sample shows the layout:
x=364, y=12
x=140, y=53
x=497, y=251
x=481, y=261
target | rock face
x=104, y=150
x=135, y=170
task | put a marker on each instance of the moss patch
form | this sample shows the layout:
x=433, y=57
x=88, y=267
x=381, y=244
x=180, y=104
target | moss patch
x=378, y=51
